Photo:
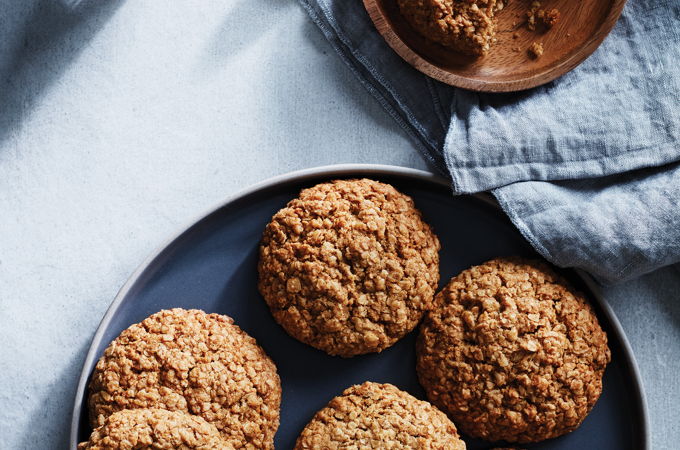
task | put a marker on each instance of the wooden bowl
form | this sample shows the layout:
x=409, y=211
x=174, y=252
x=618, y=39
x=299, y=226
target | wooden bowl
x=582, y=26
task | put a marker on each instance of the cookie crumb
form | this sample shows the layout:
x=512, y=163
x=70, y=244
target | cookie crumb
x=536, y=50
x=532, y=14
x=549, y=18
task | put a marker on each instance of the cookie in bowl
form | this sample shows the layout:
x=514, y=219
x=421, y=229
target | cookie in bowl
x=465, y=26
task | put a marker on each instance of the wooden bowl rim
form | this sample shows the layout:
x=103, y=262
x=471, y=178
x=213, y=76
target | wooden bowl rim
x=375, y=11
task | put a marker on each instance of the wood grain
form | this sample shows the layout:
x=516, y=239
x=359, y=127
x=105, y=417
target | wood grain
x=583, y=25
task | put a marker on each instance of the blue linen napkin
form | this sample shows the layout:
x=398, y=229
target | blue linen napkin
x=583, y=166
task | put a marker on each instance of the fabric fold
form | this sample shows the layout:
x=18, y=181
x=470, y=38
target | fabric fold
x=585, y=166
x=614, y=227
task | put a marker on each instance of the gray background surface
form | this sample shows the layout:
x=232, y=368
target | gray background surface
x=122, y=121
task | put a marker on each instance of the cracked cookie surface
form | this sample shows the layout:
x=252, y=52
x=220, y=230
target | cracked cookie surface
x=349, y=266
x=512, y=352
x=379, y=416
x=187, y=360
x=467, y=26
x=146, y=429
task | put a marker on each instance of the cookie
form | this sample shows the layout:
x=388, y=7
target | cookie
x=512, y=352
x=154, y=429
x=349, y=267
x=466, y=26
x=379, y=416
x=187, y=360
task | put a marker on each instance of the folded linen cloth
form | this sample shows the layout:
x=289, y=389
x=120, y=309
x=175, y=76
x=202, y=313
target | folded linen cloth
x=583, y=166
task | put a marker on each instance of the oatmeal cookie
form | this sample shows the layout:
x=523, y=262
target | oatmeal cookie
x=466, y=26
x=187, y=360
x=154, y=429
x=373, y=415
x=349, y=267
x=512, y=352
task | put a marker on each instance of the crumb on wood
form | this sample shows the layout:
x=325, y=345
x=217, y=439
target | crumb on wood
x=536, y=15
x=549, y=18
x=531, y=15
x=536, y=50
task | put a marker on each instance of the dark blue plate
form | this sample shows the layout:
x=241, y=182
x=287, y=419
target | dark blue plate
x=211, y=265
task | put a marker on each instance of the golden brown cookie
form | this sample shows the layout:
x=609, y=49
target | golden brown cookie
x=466, y=26
x=379, y=416
x=512, y=352
x=187, y=360
x=143, y=429
x=349, y=267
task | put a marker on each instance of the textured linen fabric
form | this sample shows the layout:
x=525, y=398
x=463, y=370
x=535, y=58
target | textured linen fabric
x=615, y=227
x=126, y=125
x=618, y=113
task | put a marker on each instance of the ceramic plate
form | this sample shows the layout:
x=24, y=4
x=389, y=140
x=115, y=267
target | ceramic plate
x=211, y=265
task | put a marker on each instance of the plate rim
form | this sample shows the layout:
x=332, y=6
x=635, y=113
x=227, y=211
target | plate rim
x=421, y=64
x=330, y=171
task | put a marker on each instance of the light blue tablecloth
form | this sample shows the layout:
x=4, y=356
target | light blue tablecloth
x=601, y=124
x=129, y=119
